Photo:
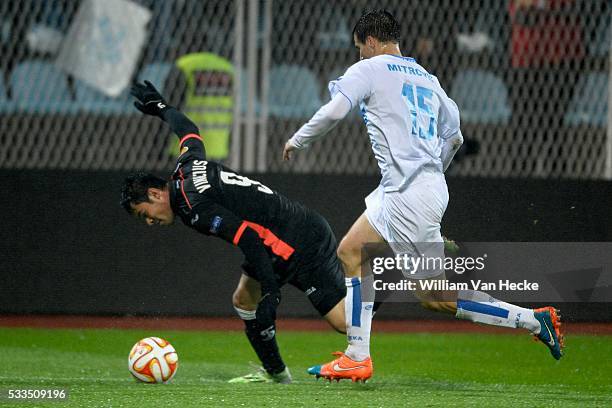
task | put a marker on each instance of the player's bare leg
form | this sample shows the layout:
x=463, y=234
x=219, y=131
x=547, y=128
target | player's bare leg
x=355, y=363
x=245, y=299
x=247, y=293
x=335, y=318
x=479, y=307
x=349, y=250
x=358, y=314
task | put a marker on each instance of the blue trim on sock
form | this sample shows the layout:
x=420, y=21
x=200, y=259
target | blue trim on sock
x=356, y=284
x=482, y=308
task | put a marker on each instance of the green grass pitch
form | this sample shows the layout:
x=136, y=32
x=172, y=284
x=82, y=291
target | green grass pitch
x=420, y=370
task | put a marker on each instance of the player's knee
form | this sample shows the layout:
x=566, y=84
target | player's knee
x=243, y=301
x=350, y=257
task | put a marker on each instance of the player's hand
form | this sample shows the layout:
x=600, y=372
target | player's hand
x=149, y=100
x=266, y=309
x=288, y=151
x=450, y=246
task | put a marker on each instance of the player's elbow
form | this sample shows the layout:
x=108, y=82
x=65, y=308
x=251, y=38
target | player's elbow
x=337, y=108
x=336, y=116
x=457, y=140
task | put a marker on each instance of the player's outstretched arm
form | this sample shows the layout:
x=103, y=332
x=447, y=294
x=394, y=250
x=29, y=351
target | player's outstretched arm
x=347, y=91
x=320, y=124
x=150, y=102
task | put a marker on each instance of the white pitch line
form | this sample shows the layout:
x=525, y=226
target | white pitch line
x=94, y=381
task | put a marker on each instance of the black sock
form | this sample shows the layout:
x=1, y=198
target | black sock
x=376, y=306
x=263, y=341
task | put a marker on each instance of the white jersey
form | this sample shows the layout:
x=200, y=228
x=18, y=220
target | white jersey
x=406, y=111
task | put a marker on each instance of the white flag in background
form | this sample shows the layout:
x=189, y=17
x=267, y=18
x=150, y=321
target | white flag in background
x=104, y=42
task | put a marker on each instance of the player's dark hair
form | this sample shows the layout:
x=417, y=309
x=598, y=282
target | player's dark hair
x=135, y=186
x=379, y=24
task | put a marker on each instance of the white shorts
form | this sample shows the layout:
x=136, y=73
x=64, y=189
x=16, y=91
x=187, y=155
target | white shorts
x=410, y=218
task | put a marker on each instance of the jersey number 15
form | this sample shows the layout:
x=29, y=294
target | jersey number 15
x=418, y=100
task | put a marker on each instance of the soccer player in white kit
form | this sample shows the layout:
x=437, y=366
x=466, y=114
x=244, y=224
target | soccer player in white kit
x=413, y=127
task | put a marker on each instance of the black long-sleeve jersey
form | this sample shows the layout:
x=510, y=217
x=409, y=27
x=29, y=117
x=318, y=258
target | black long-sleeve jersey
x=270, y=229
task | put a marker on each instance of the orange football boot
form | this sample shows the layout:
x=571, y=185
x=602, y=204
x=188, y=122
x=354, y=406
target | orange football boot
x=344, y=368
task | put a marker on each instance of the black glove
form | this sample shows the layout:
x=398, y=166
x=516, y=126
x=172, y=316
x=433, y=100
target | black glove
x=149, y=100
x=266, y=309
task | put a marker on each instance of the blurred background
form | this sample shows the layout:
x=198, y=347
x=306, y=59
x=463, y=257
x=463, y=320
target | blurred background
x=531, y=79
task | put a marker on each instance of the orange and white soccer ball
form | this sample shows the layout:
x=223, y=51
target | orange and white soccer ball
x=153, y=360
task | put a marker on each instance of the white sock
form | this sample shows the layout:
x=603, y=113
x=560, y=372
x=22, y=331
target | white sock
x=358, y=316
x=479, y=307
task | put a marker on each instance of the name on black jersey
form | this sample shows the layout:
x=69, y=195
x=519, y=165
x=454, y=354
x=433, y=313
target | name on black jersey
x=198, y=172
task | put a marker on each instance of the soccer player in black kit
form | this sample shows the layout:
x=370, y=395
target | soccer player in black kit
x=282, y=241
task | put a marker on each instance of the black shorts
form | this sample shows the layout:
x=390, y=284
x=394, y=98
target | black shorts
x=317, y=271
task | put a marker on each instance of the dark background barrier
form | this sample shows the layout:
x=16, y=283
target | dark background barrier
x=67, y=247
